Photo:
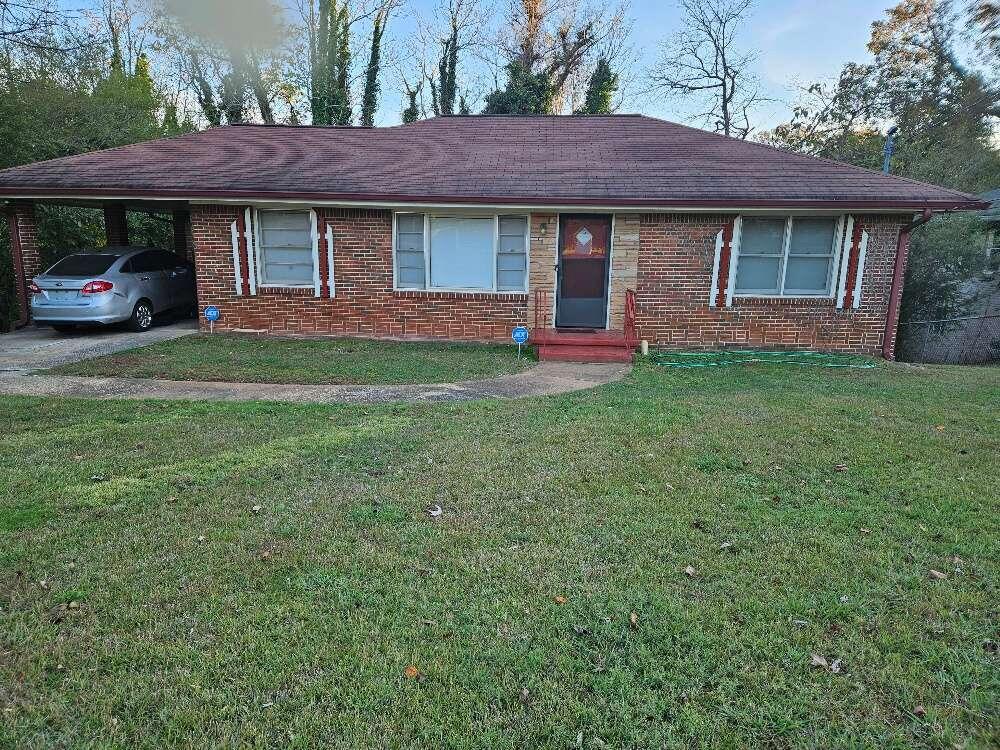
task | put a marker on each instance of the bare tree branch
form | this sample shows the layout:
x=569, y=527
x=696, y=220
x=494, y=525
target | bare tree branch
x=701, y=62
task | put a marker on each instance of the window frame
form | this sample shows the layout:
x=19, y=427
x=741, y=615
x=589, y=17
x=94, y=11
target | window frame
x=258, y=248
x=427, y=250
x=833, y=269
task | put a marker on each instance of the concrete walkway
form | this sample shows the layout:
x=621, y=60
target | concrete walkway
x=544, y=379
x=40, y=348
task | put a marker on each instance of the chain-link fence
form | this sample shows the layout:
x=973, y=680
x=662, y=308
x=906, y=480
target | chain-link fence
x=956, y=341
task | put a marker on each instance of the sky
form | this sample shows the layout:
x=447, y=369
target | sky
x=798, y=41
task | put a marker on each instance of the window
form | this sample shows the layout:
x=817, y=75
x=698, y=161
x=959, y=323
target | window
x=285, y=248
x=147, y=262
x=461, y=252
x=410, y=251
x=83, y=264
x=786, y=256
x=512, y=253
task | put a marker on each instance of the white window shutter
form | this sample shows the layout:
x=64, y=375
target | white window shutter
x=734, y=245
x=845, y=261
x=861, y=270
x=314, y=233
x=248, y=234
x=714, y=292
x=237, y=266
x=331, y=283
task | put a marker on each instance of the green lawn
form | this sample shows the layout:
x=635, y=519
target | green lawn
x=193, y=619
x=268, y=359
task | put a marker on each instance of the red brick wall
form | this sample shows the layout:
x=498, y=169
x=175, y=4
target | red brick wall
x=675, y=278
x=365, y=303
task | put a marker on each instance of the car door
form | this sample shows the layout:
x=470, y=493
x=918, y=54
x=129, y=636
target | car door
x=152, y=279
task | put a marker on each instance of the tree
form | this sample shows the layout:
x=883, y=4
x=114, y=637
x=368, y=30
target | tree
x=701, y=63
x=986, y=16
x=411, y=113
x=601, y=88
x=232, y=66
x=946, y=113
x=550, y=43
x=526, y=93
x=369, y=101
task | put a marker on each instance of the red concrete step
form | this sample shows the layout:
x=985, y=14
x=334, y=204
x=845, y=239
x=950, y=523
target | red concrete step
x=570, y=353
x=577, y=338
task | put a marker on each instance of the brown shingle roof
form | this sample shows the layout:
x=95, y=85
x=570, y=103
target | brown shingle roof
x=621, y=160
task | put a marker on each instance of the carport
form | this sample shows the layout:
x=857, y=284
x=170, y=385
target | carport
x=26, y=253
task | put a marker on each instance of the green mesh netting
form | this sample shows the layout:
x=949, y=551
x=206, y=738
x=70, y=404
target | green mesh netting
x=728, y=357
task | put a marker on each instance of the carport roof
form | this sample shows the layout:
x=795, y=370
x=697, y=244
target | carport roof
x=617, y=160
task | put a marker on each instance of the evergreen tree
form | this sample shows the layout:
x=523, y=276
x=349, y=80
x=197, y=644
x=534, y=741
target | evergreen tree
x=369, y=102
x=340, y=66
x=412, y=111
x=526, y=93
x=601, y=88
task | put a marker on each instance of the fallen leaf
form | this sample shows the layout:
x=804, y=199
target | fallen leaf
x=937, y=575
x=411, y=672
x=819, y=661
x=633, y=620
x=690, y=572
x=434, y=511
x=559, y=599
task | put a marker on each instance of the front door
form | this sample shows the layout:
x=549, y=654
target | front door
x=584, y=247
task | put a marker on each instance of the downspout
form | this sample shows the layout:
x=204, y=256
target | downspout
x=896, y=290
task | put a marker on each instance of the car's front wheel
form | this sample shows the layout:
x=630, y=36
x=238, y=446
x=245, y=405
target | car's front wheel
x=142, y=316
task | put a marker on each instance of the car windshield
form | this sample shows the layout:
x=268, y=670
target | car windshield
x=83, y=264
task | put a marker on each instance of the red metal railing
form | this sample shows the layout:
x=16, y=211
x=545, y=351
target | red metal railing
x=631, y=337
x=541, y=309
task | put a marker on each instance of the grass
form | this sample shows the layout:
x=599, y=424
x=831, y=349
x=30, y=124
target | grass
x=174, y=613
x=259, y=359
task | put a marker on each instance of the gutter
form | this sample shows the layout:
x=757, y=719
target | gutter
x=896, y=290
x=386, y=200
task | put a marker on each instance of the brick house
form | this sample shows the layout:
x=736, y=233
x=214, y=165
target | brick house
x=594, y=231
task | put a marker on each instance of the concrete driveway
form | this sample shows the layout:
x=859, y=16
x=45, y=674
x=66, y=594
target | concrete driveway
x=40, y=348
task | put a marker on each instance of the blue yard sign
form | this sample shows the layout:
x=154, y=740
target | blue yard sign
x=520, y=336
x=211, y=315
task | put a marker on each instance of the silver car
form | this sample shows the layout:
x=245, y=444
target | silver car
x=113, y=285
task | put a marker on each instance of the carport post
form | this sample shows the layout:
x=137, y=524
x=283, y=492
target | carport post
x=115, y=224
x=182, y=230
x=25, y=257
